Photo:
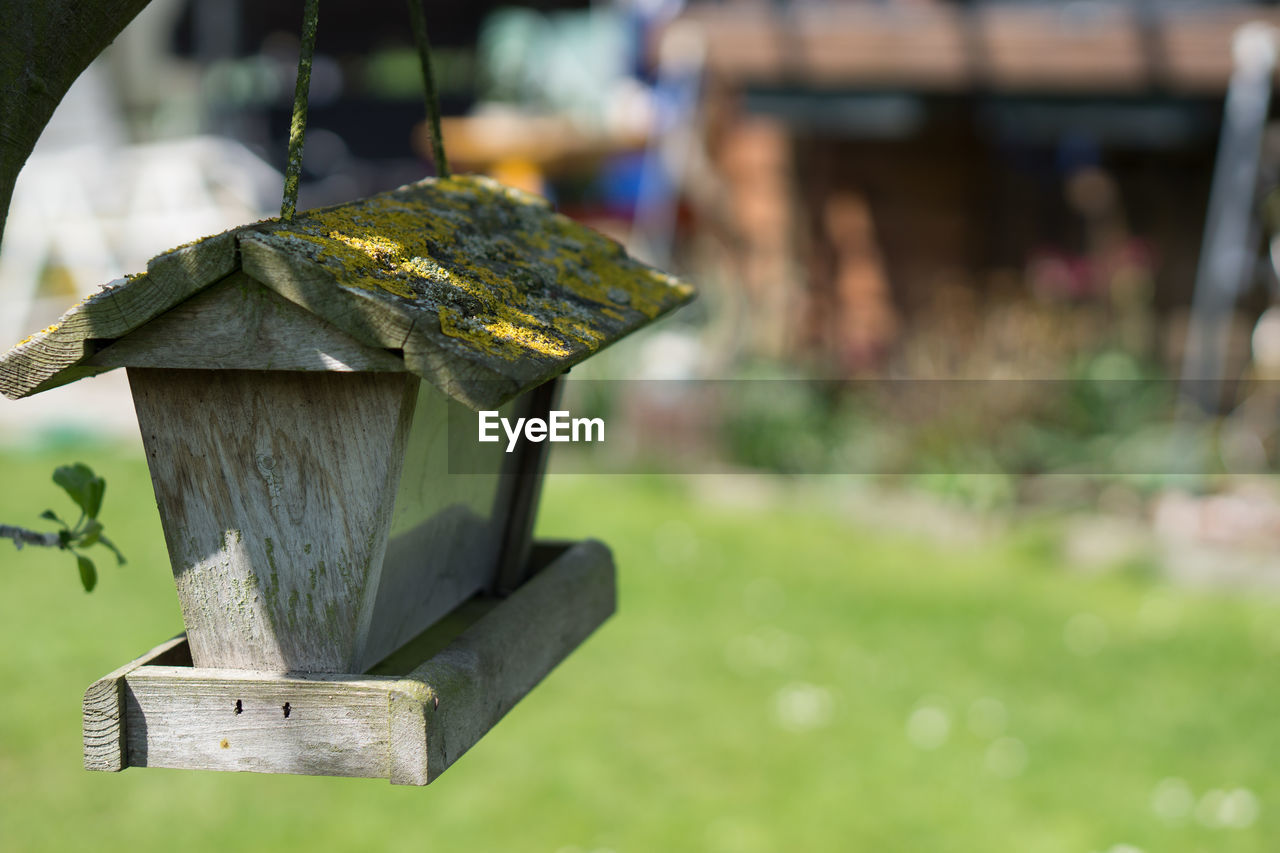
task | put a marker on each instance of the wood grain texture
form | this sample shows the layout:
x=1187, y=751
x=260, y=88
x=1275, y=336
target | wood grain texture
x=276, y=494
x=54, y=356
x=237, y=324
x=103, y=709
x=210, y=719
x=495, y=662
x=365, y=317
x=410, y=709
x=408, y=728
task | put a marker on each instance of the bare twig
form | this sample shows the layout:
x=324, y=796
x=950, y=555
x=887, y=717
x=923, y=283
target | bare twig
x=22, y=536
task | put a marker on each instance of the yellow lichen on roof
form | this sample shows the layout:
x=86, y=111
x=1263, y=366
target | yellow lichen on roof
x=40, y=334
x=502, y=272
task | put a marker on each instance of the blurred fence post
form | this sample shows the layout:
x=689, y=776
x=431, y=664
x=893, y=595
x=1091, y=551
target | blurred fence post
x=1227, y=253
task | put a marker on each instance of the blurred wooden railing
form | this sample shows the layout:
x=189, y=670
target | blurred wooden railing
x=1067, y=47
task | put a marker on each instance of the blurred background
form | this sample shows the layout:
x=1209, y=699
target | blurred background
x=946, y=518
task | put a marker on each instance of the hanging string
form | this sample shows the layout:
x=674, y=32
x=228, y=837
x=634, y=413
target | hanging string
x=418, y=21
x=298, y=126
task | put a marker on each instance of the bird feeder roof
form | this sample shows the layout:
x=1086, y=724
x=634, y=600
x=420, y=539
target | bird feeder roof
x=484, y=290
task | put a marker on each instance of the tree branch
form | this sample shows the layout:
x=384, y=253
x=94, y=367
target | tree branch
x=44, y=45
x=22, y=536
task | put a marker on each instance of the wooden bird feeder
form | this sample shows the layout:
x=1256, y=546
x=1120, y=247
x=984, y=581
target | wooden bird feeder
x=351, y=607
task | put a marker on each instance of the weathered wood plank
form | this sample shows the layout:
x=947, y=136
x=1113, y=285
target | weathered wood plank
x=481, y=675
x=446, y=529
x=237, y=324
x=103, y=710
x=41, y=361
x=211, y=719
x=486, y=290
x=276, y=511
x=409, y=728
x=367, y=319
x=409, y=749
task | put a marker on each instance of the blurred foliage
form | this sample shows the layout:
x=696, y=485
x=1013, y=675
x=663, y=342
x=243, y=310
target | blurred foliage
x=779, y=423
x=396, y=74
x=1110, y=418
x=779, y=676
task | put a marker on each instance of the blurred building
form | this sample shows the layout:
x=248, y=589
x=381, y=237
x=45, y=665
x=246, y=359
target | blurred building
x=922, y=159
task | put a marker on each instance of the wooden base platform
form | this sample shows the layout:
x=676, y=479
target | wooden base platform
x=408, y=719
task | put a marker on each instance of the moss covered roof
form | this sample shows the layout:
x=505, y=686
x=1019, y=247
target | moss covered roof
x=484, y=289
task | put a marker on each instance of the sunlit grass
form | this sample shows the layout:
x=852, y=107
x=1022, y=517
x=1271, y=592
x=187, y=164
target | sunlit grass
x=776, y=679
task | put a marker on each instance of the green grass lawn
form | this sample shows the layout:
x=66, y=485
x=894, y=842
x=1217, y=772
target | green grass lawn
x=775, y=680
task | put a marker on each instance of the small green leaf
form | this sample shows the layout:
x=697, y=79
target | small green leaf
x=53, y=516
x=96, y=490
x=88, y=572
x=92, y=534
x=82, y=486
x=107, y=543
